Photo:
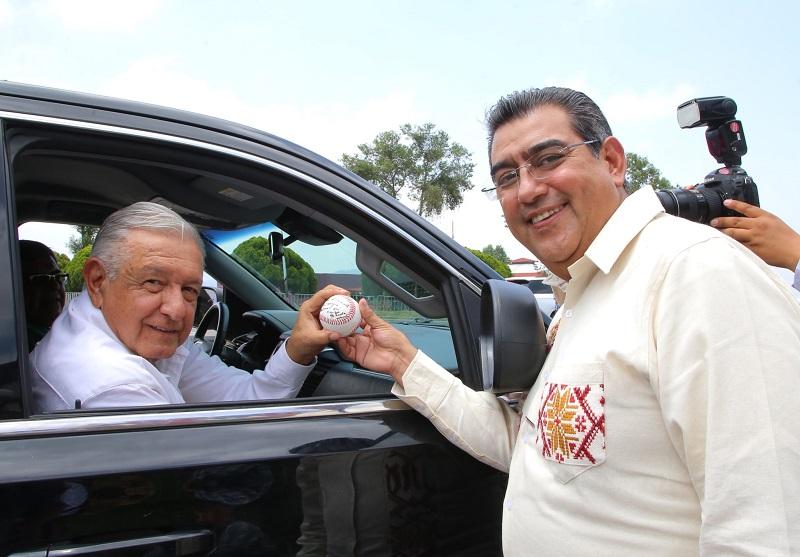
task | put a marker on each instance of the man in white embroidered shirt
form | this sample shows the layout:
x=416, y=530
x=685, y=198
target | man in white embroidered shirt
x=124, y=340
x=663, y=421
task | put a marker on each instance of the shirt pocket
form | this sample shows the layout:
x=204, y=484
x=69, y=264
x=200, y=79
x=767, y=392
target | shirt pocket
x=569, y=420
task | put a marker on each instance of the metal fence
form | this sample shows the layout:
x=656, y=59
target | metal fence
x=378, y=303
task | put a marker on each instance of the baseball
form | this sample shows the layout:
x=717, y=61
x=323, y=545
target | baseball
x=340, y=314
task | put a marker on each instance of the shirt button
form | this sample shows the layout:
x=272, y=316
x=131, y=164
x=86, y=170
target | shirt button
x=508, y=503
x=568, y=313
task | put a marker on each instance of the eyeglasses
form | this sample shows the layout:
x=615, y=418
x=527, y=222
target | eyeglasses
x=49, y=277
x=539, y=166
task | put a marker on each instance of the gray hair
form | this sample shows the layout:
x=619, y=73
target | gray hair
x=586, y=117
x=109, y=245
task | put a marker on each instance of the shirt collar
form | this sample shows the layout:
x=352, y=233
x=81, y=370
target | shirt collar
x=169, y=366
x=628, y=220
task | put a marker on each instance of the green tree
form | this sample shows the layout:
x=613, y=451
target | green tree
x=498, y=252
x=301, y=278
x=420, y=162
x=85, y=237
x=502, y=268
x=75, y=269
x=641, y=171
x=62, y=260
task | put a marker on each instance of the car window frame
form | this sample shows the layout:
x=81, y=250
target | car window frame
x=156, y=417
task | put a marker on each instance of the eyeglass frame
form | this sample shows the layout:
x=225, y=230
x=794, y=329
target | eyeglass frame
x=494, y=191
x=57, y=277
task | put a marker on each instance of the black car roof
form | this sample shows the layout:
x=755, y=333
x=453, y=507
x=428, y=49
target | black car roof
x=136, y=108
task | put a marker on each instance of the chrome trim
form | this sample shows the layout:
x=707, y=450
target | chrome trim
x=186, y=543
x=243, y=155
x=75, y=423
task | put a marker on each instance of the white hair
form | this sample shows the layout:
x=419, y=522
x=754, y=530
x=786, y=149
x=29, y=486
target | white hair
x=109, y=245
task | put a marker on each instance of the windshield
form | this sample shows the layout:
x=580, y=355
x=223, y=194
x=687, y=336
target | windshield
x=306, y=267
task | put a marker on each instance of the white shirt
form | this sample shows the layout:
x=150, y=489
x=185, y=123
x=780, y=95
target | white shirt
x=82, y=359
x=664, y=420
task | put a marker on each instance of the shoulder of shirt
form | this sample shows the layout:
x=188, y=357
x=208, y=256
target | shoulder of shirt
x=641, y=227
x=86, y=360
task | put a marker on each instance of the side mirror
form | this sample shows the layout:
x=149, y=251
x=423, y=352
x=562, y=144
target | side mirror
x=512, y=337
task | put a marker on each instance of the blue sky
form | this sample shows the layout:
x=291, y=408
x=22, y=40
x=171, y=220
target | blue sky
x=331, y=75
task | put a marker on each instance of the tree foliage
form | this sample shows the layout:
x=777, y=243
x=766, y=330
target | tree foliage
x=501, y=267
x=498, y=252
x=75, y=269
x=62, y=260
x=420, y=162
x=641, y=171
x=301, y=278
x=85, y=237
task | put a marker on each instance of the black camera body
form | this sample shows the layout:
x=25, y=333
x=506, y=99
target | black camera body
x=726, y=143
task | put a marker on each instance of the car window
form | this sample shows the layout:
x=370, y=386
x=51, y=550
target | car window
x=539, y=287
x=304, y=268
x=241, y=214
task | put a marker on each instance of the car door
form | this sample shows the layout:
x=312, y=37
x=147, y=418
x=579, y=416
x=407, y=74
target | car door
x=343, y=470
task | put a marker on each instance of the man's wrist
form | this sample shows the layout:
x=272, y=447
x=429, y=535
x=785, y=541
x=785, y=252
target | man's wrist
x=403, y=362
x=300, y=357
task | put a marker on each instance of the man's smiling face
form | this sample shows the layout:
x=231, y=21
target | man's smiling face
x=150, y=304
x=558, y=217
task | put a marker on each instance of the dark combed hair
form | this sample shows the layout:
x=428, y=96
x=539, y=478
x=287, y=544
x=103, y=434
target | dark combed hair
x=588, y=120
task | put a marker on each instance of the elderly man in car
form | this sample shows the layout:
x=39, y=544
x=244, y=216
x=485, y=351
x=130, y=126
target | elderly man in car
x=125, y=340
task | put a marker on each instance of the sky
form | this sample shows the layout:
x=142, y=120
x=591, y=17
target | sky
x=332, y=75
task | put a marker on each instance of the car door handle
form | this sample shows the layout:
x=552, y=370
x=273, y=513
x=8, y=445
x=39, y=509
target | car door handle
x=182, y=544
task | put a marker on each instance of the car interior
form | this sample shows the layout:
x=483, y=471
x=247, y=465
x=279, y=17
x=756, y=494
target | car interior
x=73, y=176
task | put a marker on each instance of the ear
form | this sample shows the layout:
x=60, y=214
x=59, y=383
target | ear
x=95, y=276
x=613, y=155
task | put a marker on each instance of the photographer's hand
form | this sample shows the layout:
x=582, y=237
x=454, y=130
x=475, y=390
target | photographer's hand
x=765, y=234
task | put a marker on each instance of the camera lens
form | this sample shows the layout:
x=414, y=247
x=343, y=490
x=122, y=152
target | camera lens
x=699, y=205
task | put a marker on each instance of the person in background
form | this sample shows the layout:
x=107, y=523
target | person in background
x=766, y=235
x=43, y=287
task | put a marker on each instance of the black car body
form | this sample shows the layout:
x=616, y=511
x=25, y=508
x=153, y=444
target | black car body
x=345, y=468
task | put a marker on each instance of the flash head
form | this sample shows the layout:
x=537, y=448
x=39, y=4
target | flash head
x=706, y=111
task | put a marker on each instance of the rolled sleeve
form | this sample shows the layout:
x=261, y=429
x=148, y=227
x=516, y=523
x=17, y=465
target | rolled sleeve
x=477, y=422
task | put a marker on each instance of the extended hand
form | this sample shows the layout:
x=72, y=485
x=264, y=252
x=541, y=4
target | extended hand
x=380, y=347
x=765, y=234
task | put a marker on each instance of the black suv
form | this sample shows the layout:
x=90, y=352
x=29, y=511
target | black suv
x=345, y=468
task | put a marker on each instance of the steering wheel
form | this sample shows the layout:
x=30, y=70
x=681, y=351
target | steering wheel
x=222, y=314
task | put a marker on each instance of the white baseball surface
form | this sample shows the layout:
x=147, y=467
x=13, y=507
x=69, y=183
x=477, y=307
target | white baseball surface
x=340, y=314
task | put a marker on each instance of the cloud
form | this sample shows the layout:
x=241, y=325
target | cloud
x=6, y=13
x=158, y=80
x=100, y=15
x=334, y=128
x=327, y=127
x=576, y=82
x=631, y=106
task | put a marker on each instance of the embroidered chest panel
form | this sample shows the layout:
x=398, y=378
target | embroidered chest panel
x=571, y=423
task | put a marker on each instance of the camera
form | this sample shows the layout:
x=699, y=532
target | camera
x=726, y=143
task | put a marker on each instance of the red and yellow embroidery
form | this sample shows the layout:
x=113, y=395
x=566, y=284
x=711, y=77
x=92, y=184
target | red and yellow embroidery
x=571, y=425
